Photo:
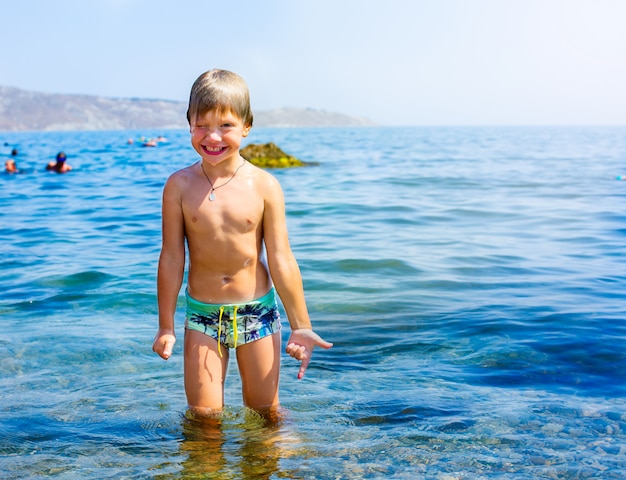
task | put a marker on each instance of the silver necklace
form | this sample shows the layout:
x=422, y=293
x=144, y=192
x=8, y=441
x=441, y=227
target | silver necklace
x=212, y=192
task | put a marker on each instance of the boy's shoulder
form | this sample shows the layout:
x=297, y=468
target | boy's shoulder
x=262, y=175
x=181, y=180
x=267, y=183
x=185, y=173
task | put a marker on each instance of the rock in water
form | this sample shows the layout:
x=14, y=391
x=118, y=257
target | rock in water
x=269, y=155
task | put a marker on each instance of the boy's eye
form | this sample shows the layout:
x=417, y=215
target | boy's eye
x=202, y=128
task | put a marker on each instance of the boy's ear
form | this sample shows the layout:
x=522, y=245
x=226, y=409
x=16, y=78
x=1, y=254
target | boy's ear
x=246, y=130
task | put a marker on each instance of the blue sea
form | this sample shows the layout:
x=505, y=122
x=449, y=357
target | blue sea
x=473, y=281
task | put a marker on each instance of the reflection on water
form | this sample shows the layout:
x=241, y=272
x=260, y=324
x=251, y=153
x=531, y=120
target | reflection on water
x=244, y=444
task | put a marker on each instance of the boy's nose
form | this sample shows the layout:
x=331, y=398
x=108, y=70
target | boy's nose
x=215, y=135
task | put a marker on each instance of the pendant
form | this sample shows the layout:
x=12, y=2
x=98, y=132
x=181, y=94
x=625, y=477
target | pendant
x=211, y=196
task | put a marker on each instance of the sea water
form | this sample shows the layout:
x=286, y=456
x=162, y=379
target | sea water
x=473, y=281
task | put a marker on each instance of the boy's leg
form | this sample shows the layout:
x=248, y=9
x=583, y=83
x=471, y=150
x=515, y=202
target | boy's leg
x=205, y=372
x=259, y=367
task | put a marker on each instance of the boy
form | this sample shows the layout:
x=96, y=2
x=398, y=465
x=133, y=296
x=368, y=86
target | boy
x=227, y=210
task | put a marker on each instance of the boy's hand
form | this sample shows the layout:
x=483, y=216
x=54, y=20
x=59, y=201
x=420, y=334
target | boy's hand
x=300, y=346
x=164, y=343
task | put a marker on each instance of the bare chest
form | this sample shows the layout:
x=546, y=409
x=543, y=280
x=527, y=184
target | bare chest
x=234, y=210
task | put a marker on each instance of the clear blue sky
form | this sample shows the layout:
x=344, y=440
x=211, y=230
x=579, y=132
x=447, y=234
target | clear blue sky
x=397, y=62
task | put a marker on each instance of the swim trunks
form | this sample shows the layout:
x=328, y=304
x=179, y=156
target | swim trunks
x=234, y=324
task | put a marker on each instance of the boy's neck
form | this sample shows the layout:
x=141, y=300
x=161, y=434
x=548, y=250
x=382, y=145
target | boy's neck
x=224, y=168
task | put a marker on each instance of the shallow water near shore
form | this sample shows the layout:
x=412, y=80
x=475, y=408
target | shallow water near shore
x=472, y=279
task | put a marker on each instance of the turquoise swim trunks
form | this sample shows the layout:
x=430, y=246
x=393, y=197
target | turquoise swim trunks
x=234, y=324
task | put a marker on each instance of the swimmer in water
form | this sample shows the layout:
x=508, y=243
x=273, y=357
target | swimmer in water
x=60, y=166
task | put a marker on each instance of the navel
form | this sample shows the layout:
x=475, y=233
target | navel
x=226, y=280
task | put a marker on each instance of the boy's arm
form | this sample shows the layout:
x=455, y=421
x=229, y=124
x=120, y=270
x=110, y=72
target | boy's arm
x=287, y=278
x=171, y=268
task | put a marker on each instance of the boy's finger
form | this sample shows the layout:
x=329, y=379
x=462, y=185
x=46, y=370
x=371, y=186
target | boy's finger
x=324, y=344
x=167, y=349
x=303, y=366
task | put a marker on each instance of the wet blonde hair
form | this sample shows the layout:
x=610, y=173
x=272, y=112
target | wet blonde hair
x=222, y=91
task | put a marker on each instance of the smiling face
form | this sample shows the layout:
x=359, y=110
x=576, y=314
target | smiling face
x=217, y=136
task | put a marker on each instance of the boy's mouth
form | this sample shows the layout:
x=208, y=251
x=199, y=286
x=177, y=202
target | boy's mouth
x=213, y=150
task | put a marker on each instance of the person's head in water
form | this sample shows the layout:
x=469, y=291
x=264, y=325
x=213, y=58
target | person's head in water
x=10, y=166
x=60, y=166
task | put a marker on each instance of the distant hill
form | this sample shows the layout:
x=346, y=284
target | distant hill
x=27, y=110
x=298, y=117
